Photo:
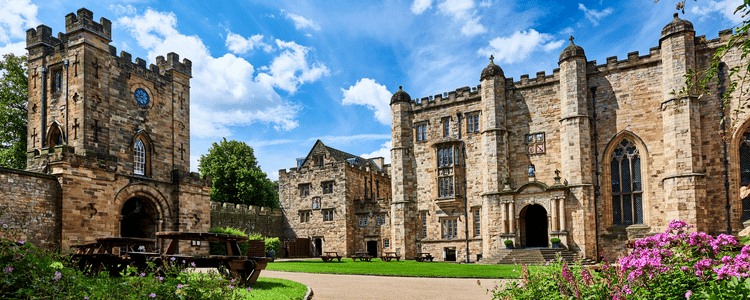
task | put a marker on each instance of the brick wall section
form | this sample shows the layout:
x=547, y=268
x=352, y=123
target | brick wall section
x=253, y=219
x=30, y=204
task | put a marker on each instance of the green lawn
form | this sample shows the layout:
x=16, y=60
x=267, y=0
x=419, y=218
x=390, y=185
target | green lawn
x=274, y=288
x=400, y=268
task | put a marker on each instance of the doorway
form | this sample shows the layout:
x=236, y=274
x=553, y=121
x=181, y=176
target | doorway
x=372, y=248
x=139, y=219
x=450, y=254
x=535, y=231
x=318, y=247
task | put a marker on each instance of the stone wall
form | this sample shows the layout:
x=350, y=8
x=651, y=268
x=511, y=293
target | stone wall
x=253, y=219
x=30, y=204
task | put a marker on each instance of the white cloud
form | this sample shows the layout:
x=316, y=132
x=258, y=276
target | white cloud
x=16, y=16
x=486, y=3
x=419, y=6
x=300, y=22
x=241, y=45
x=520, y=45
x=225, y=90
x=290, y=69
x=329, y=139
x=463, y=11
x=122, y=10
x=725, y=8
x=374, y=96
x=594, y=15
x=384, y=152
x=18, y=49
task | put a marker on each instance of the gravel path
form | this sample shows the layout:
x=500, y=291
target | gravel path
x=334, y=286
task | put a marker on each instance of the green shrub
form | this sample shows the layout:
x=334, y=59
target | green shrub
x=555, y=240
x=221, y=248
x=509, y=243
x=273, y=244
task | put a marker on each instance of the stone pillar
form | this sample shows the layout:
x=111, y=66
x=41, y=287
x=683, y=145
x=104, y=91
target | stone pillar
x=576, y=146
x=553, y=219
x=403, y=181
x=561, y=227
x=684, y=181
x=512, y=217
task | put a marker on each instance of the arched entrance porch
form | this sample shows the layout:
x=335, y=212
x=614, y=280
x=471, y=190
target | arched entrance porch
x=534, y=227
x=140, y=218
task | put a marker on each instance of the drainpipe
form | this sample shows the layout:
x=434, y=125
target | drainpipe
x=43, y=121
x=596, y=174
x=728, y=206
x=466, y=197
x=67, y=108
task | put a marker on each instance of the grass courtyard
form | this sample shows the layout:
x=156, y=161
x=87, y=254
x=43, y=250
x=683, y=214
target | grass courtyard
x=397, y=268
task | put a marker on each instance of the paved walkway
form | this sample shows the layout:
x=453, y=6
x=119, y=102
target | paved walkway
x=333, y=286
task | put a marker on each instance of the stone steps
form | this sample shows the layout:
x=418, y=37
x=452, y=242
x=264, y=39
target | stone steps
x=533, y=257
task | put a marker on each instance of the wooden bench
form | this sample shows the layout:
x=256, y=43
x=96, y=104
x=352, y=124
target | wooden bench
x=330, y=256
x=362, y=256
x=114, y=254
x=423, y=256
x=387, y=256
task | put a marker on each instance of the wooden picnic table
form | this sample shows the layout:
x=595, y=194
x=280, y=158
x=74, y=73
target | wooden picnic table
x=246, y=268
x=387, y=256
x=100, y=255
x=362, y=256
x=330, y=256
x=423, y=256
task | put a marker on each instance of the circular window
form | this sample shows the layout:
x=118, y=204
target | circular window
x=141, y=96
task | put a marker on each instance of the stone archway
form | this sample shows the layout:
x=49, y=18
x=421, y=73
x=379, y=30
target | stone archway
x=534, y=226
x=139, y=218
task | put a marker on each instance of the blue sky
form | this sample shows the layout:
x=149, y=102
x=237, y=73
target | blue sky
x=279, y=75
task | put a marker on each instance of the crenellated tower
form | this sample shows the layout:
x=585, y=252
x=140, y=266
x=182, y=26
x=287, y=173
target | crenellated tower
x=684, y=180
x=403, y=176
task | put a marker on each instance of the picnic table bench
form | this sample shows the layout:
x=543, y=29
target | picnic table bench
x=102, y=254
x=423, y=256
x=387, y=256
x=246, y=268
x=330, y=256
x=362, y=256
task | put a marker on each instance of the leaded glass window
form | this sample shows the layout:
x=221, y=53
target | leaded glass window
x=745, y=172
x=627, y=187
x=450, y=228
x=139, y=158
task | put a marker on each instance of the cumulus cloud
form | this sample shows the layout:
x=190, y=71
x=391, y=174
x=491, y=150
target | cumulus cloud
x=241, y=45
x=290, y=69
x=225, y=90
x=384, y=152
x=725, y=8
x=16, y=16
x=374, y=96
x=419, y=6
x=300, y=22
x=520, y=45
x=594, y=15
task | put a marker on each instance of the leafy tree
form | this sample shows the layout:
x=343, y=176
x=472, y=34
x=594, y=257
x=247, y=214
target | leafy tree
x=236, y=176
x=14, y=95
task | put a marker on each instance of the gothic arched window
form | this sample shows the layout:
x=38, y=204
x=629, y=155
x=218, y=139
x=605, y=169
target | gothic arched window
x=627, y=187
x=139, y=158
x=745, y=172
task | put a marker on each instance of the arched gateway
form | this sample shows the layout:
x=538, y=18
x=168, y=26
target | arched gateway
x=534, y=226
x=139, y=219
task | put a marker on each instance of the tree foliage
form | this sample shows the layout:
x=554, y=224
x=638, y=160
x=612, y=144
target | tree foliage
x=236, y=176
x=14, y=95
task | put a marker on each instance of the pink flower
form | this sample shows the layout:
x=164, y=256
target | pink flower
x=152, y=295
x=687, y=295
x=179, y=286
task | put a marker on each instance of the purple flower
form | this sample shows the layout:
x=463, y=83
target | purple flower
x=192, y=264
x=687, y=295
x=249, y=289
x=152, y=295
x=22, y=242
x=85, y=298
x=172, y=258
x=57, y=276
x=231, y=287
x=183, y=261
x=143, y=274
x=160, y=278
x=8, y=269
x=179, y=286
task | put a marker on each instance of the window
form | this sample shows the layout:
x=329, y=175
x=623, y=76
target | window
x=327, y=187
x=377, y=189
x=424, y=224
x=304, y=190
x=139, y=158
x=318, y=161
x=745, y=172
x=57, y=81
x=477, y=222
x=535, y=143
x=366, y=190
x=386, y=243
x=447, y=158
x=328, y=215
x=380, y=220
x=422, y=132
x=472, y=123
x=627, y=190
x=446, y=127
x=363, y=221
x=304, y=216
x=450, y=228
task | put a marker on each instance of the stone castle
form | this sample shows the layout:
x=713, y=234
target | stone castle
x=341, y=202
x=593, y=154
x=108, y=142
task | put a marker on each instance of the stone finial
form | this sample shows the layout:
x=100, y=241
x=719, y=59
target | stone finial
x=492, y=59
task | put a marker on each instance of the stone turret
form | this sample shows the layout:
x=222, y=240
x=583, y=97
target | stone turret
x=494, y=133
x=403, y=206
x=684, y=181
x=575, y=148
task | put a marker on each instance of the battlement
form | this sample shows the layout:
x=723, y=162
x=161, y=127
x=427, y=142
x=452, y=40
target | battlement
x=190, y=178
x=173, y=63
x=42, y=35
x=459, y=95
x=245, y=209
x=85, y=21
